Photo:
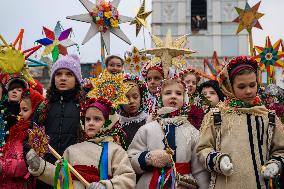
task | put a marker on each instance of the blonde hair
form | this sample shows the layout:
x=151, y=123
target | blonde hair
x=172, y=82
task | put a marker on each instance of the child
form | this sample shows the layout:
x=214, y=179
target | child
x=198, y=105
x=211, y=90
x=241, y=141
x=14, y=172
x=169, y=140
x=61, y=111
x=15, y=88
x=153, y=75
x=133, y=115
x=100, y=161
x=191, y=79
x=114, y=64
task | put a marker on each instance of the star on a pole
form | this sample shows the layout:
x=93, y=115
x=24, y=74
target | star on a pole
x=140, y=18
x=105, y=19
x=168, y=49
x=248, y=17
x=269, y=57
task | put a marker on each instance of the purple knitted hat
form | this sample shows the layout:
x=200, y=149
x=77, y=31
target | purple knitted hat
x=70, y=62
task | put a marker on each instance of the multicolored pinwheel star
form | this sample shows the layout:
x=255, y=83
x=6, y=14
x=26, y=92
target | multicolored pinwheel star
x=56, y=42
x=140, y=18
x=269, y=56
x=248, y=17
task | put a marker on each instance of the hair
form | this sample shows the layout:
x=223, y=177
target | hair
x=113, y=57
x=215, y=85
x=172, y=82
x=52, y=90
x=191, y=73
x=15, y=85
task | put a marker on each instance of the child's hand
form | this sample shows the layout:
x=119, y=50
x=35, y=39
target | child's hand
x=270, y=171
x=33, y=160
x=96, y=185
x=158, y=158
x=226, y=166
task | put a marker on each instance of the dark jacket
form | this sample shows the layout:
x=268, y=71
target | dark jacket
x=62, y=124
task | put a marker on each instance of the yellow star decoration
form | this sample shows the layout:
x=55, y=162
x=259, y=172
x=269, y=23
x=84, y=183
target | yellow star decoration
x=134, y=61
x=140, y=18
x=168, y=49
x=110, y=87
x=248, y=17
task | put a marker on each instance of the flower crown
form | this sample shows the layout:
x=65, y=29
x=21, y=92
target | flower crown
x=242, y=60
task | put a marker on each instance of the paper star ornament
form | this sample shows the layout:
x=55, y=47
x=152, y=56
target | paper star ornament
x=134, y=61
x=56, y=42
x=269, y=57
x=248, y=17
x=140, y=18
x=105, y=19
x=12, y=58
x=168, y=49
x=110, y=87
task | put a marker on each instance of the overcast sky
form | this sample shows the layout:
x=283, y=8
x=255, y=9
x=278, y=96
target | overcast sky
x=33, y=14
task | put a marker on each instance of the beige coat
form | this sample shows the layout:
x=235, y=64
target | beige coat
x=244, y=142
x=150, y=137
x=88, y=153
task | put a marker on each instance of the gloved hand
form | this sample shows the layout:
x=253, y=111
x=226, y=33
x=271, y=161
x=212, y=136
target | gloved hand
x=33, y=160
x=158, y=158
x=270, y=171
x=96, y=185
x=226, y=166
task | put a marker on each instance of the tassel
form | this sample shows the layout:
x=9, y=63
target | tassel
x=161, y=181
x=62, y=178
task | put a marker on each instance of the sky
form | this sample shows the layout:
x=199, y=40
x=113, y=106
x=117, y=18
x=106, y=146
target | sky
x=33, y=14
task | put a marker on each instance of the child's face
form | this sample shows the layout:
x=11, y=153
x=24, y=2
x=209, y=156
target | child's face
x=134, y=98
x=245, y=87
x=114, y=66
x=94, y=121
x=191, y=83
x=64, y=80
x=211, y=95
x=15, y=94
x=25, y=109
x=154, y=79
x=172, y=95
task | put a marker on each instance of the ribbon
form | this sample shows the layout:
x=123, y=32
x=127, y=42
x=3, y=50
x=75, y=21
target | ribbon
x=104, y=162
x=62, y=178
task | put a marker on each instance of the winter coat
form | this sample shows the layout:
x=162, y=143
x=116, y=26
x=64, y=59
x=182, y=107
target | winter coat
x=62, y=124
x=121, y=174
x=130, y=126
x=244, y=138
x=11, y=112
x=15, y=174
x=182, y=138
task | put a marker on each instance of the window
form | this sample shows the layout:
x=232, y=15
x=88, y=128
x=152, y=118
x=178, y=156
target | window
x=198, y=15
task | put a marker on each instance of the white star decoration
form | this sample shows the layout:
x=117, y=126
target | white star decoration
x=93, y=30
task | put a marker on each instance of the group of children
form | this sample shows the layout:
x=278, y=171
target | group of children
x=172, y=133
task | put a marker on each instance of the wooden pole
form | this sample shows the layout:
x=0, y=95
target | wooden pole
x=79, y=177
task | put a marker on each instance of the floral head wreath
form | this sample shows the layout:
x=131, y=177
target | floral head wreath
x=189, y=71
x=154, y=64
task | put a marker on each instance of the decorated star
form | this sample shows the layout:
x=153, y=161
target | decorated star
x=134, y=61
x=56, y=42
x=248, y=17
x=105, y=19
x=111, y=87
x=140, y=18
x=12, y=58
x=38, y=140
x=168, y=49
x=269, y=57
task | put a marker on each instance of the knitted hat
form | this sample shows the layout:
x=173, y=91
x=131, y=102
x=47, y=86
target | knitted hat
x=70, y=62
x=38, y=87
x=215, y=85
